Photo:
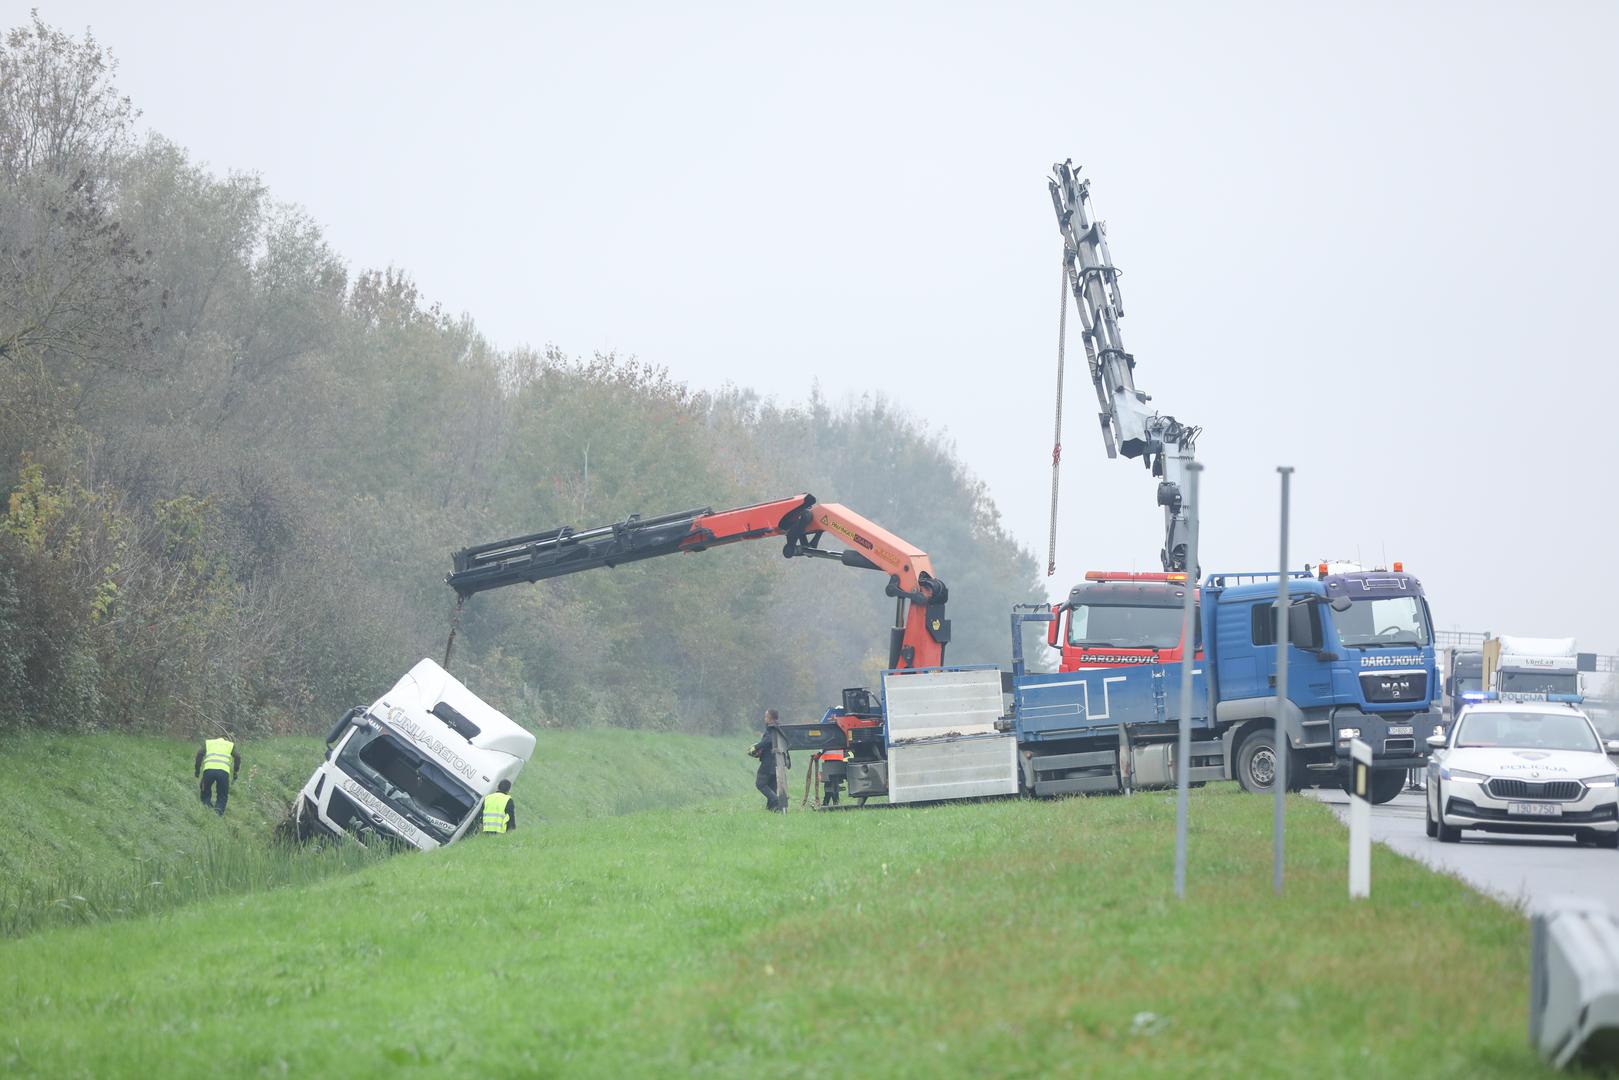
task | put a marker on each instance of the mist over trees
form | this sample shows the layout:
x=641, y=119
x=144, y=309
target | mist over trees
x=234, y=472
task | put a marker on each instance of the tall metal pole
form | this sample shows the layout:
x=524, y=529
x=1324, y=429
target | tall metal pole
x=1183, y=748
x=1056, y=439
x=1282, y=750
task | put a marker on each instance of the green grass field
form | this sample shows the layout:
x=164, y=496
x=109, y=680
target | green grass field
x=1009, y=938
x=110, y=826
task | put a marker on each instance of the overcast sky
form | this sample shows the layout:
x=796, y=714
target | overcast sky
x=1372, y=241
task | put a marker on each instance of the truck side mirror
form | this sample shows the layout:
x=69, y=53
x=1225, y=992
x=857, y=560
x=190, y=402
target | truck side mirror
x=1053, y=626
x=1436, y=742
x=342, y=724
x=1340, y=603
x=1611, y=746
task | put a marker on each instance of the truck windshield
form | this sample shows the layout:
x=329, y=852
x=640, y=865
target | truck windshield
x=1539, y=682
x=1371, y=624
x=1103, y=626
x=414, y=786
x=1532, y=730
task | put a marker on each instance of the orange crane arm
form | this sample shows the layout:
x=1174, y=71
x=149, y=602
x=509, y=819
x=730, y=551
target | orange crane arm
x=920, y=630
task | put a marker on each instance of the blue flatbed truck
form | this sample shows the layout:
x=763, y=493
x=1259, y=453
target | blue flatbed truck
x=1361, y=666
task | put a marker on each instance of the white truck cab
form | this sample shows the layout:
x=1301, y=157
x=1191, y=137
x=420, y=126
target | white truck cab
x=414, y=766
x=1531, y=669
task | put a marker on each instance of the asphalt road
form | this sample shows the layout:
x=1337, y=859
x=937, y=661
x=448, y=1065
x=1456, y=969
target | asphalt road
x=1533, y=870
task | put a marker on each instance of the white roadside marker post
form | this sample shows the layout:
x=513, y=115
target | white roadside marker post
x=1360, y=820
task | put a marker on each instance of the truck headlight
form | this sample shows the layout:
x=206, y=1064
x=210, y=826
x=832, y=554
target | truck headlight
x=1349, y=733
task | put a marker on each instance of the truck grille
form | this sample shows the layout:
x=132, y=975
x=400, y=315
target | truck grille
x=1383, y=688
x=1555, y=790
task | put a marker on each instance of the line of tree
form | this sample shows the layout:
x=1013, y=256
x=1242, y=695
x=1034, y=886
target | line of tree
x=234, y=471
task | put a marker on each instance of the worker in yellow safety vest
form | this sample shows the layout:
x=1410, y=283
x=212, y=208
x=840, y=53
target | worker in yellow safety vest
x=499, y=811
x=217, y=765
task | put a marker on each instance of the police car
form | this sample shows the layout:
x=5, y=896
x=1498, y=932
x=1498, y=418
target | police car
x=1523, y=767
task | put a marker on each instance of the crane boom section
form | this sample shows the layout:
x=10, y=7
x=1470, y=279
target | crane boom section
x=886, y=552
x=556, y=552
x=1130, y=426
x=920, y=629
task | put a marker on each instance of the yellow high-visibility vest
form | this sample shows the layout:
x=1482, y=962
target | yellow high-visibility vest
x=494, y=811
x=216, y=754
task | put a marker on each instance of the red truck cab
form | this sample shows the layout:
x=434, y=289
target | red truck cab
x=1119, y=618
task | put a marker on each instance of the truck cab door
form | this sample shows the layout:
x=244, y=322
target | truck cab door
x=1309, y=673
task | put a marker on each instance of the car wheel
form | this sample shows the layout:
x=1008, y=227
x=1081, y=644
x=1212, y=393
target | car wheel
x=1605, y=839
x=1427, y=819
x=1447, y=834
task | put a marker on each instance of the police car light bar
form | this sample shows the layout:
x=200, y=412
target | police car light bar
x=1481, y=695
x=1572, y=699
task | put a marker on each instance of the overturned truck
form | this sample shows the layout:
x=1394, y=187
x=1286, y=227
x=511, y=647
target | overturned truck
x=414, y=766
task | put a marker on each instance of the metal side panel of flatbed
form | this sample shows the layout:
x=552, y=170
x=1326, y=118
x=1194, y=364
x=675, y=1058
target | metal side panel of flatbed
x=942, y=742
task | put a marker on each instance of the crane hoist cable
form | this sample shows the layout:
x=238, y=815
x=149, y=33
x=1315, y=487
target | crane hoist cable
x=1056, y=439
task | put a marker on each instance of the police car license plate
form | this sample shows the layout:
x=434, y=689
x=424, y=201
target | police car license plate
x=1534, y=809
x=1401, y=729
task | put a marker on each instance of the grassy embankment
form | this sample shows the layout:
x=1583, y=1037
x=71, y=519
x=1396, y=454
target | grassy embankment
x=1011, y=938
x=109, y=826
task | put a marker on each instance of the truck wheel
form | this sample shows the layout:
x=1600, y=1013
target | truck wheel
x=1256, y=762
x=1386, y=783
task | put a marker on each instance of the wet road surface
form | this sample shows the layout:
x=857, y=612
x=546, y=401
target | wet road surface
x=1533, y=870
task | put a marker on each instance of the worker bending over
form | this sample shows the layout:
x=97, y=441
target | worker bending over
x=499, y=810
x=217, y=765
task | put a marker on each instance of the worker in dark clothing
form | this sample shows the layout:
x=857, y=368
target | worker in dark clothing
x=499, y=810
x=217, y=765
x=833, y=770
x=765, y=778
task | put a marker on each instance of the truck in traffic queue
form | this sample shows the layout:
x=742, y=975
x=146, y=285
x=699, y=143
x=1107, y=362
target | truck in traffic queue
x=1531, y=669
x=1361, y=666
x=414, y=766
x=1461, y=673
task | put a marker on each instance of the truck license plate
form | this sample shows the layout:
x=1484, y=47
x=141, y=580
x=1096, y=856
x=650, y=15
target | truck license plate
x=1534, y=809
x=1400, y=729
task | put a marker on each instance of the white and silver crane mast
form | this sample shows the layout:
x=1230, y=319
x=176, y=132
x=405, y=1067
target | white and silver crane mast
x=1129, y=424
